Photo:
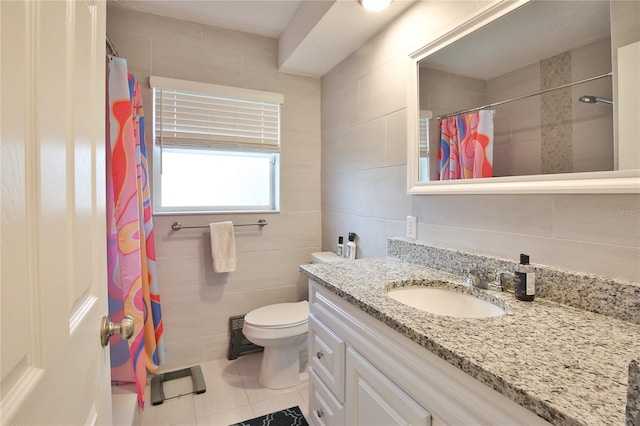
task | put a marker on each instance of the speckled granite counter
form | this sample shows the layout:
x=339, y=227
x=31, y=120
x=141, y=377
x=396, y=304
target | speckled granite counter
x=567, y=365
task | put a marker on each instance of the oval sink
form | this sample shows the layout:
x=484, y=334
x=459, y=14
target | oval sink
x=439, y=301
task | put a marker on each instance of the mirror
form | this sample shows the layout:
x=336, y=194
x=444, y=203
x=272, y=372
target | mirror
x=536, y=81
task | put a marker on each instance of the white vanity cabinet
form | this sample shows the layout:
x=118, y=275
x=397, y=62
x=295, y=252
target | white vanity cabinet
x=362, y=372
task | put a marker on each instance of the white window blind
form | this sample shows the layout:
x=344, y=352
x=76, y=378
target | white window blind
x=190, y=114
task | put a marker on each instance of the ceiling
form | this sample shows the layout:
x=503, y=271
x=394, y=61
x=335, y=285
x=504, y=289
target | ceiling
x=313, y=35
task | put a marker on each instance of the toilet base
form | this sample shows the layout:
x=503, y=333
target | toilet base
x=280, y=368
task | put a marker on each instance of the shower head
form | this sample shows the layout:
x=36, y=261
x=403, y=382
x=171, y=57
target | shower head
x=588, y=99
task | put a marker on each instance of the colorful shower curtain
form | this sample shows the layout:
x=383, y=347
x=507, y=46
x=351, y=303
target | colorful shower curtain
x=133, y=287
x=466, y=146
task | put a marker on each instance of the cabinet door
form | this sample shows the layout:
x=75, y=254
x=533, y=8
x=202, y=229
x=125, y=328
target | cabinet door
x=375, y=400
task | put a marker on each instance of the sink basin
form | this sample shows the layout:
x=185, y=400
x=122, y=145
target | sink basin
x=440, y=301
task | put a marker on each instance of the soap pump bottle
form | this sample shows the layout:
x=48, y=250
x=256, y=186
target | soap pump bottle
x=525, y=280
x=340, y=247
x=350, y=252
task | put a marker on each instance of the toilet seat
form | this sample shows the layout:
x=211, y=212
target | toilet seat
x=279, y=315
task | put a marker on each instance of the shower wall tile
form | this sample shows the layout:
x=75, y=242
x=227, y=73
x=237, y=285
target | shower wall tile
x=517, y=124
x=514, y=83
x=515, y=159
x=592, y=123
x=444, y=93
x=557, y=136
x=196, y=301
x=588, y=127
x=524, y=121
x=593, y=139
x=591, y=60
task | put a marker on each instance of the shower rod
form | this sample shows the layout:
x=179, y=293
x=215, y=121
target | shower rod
x=586, y=80
x=176, y=226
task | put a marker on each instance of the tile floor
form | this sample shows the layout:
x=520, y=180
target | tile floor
x=233, y=395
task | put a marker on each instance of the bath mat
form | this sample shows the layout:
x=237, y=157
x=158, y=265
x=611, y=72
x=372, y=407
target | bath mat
x=289, y=417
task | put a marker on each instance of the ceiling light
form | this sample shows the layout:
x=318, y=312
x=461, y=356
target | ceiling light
x=374, y=5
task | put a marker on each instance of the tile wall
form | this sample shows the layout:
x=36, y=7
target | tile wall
x=364, y=180
x=197, y=302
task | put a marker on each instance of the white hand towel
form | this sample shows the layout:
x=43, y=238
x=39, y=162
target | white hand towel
x=223, y=246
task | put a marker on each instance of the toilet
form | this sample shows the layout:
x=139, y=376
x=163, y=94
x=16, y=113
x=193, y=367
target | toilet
x=282, y=330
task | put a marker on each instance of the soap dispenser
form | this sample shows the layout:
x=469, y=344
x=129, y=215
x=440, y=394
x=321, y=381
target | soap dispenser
x=525, y=280
x=340, y=247
x=350, y=249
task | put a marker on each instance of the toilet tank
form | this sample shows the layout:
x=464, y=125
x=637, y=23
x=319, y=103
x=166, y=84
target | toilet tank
x=325, y=257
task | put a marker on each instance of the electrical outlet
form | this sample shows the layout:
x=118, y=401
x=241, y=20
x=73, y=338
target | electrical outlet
x=412, y=227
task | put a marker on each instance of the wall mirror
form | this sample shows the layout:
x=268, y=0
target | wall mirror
x=529, y=97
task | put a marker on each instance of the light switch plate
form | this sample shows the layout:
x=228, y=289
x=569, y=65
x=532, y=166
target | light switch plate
x=412, y=227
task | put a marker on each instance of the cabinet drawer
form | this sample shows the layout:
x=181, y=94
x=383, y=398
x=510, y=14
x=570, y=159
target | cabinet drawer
x=324, y=408
x=327, y=356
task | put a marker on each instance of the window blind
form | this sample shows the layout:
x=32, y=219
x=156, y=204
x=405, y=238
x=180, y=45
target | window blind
x=188, y=114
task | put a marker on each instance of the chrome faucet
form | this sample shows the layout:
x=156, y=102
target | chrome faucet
x=476, y=278
x=479, y=278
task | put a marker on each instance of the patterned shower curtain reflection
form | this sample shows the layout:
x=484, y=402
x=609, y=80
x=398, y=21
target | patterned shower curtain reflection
x=133, y=287
x=466, y=146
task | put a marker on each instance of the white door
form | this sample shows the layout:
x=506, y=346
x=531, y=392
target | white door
x=53, y=271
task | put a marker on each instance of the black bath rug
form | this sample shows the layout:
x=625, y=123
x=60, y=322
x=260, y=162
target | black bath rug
x=289, y=417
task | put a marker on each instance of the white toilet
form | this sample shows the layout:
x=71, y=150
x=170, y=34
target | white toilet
x=282, y=330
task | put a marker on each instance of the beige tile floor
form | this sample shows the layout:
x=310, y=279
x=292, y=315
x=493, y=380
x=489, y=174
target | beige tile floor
x=233, y=395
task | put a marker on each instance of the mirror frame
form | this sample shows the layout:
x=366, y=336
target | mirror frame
x=619, y=181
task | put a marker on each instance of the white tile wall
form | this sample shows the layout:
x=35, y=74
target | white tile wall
x=588, y=233
x=197, y=302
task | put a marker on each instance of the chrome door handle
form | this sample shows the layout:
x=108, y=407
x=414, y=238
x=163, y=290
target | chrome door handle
x=108, y=328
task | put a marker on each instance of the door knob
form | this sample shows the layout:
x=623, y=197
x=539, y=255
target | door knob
x=108, y=328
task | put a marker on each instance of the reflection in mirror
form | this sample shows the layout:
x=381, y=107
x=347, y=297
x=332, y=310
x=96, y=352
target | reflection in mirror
x=562, y=161
x=544, y=71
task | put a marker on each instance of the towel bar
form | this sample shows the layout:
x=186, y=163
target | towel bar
x=178, y=226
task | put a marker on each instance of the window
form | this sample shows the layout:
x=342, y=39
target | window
x=216, y=148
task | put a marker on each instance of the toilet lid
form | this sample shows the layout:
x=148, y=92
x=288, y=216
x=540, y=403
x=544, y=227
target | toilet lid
x=279, y=315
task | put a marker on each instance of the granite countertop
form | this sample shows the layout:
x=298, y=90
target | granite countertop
x=567, y=365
